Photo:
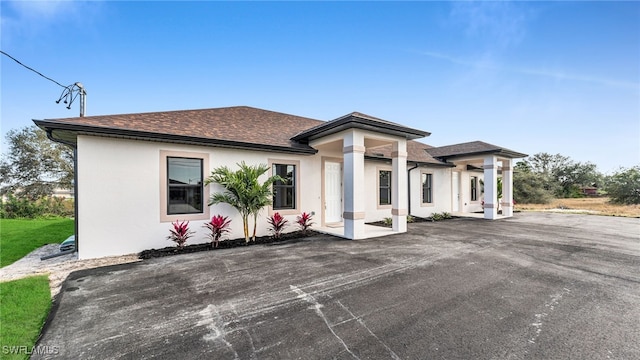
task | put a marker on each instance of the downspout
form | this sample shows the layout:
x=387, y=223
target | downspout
x=409, y=187
x=75, y=179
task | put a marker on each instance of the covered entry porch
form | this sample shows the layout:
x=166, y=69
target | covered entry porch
x=342, y=143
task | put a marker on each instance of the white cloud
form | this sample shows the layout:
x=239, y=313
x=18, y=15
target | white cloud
x=503, y=23
x=485, y=62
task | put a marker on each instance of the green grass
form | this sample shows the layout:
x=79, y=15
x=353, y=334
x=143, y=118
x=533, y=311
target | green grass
x=20, y=237
x=25, y=305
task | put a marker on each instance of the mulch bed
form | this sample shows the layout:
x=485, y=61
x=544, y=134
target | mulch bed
x=287, y=238
x=415, y=220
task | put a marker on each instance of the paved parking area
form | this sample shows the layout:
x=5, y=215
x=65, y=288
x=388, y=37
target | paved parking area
x=536, y=286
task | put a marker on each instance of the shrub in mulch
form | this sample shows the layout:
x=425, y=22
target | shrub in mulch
x=287, y=238
x=387, y=222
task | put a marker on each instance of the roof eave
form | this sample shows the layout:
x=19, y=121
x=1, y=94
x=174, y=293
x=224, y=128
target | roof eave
x=503, y=152
x=180, y=139
x=348, y=122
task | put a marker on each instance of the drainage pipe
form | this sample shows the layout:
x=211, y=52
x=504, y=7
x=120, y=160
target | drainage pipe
x=409, y=187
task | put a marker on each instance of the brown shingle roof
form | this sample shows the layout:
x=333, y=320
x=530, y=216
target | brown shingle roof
x=472, y=148
x=239, y=124
x=417, y=152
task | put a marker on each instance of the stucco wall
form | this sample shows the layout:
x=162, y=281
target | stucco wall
x=119, y=187
x=441, y=191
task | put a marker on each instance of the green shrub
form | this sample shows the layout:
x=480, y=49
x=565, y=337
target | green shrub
x=387, y=221
x=410, y=219
x=14, y=207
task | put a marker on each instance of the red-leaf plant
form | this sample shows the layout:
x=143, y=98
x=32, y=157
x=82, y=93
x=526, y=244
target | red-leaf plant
x=218, y=226
x=180, y=233
x=278, y=223
x=304, y=222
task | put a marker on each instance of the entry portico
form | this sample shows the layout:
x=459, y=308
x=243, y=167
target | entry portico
x=494, y=162
x=348, y=137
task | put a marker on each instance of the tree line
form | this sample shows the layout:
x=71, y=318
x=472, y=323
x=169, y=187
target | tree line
x=34, y=166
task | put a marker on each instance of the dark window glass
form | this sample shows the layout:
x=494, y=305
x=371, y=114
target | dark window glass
x=385, y=187
x=427, y=188
x=284, y=192
x=185, y=187
x=474, y=188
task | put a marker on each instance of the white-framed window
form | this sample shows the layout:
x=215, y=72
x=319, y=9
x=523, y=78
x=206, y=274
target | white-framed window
x=474, y=188
x=384, y=187
x=427, y=188
x=286, y=193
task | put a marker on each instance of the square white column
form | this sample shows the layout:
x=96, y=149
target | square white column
x=353, y=152
x=490, y=187
x=507, y=188
x=399, y=190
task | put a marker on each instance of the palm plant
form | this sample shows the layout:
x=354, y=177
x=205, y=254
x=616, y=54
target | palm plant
x=243, y=191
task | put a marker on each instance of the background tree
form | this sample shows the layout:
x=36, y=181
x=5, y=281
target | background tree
x=623, y=186
x=35, y=166
x=540, y=177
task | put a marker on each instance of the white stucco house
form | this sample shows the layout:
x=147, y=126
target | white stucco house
x=136, y=173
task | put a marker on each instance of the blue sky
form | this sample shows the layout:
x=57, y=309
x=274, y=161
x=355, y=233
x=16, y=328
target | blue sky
x=557, y=77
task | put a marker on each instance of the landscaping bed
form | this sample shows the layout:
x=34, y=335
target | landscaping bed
x=414, y=219
x=226, y=244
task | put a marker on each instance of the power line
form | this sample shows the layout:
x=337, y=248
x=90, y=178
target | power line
x=69, y=92
x=35, y=71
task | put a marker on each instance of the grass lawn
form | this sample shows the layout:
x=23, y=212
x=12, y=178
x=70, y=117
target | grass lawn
x=25, y=305
x=599, y=205
x=18, y=237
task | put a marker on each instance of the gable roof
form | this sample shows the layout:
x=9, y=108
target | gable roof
x=472, y=148
x=238, y=126
x=417, y=153
x=359, y=121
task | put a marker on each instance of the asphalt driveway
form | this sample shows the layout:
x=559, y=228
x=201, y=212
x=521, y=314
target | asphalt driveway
x=538, y=286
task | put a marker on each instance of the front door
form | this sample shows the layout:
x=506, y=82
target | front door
x=332, y=192
x=455, y=191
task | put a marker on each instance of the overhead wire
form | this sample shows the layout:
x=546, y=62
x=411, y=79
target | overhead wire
x=32, y=69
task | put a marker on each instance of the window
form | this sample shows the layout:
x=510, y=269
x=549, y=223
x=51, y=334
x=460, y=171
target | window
x=385, y=187
x=185, y=186
x=284, y=192
x=474, y=188
x=427, y=188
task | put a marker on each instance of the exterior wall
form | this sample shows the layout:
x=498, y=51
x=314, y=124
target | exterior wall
x=441, y=191
x=119, y=185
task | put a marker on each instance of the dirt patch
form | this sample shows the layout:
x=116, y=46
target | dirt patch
x=592, y=205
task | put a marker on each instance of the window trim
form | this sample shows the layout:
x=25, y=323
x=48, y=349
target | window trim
x=297, y=185
x=474, y=181
x=164, y=186
x=422, y=203
x=378, y=170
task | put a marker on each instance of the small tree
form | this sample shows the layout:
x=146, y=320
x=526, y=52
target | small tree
x=278, y=223
x=623, y=186
x=243, y=191
x=219, y=225
x=180, y=233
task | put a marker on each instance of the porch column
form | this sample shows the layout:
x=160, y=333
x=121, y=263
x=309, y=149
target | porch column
x=507, y=188
x=399, y=191
x=354, y=196
x=490, y=187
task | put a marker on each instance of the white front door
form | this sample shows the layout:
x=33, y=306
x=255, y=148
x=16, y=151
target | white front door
x=455, y=191
x=332, y=192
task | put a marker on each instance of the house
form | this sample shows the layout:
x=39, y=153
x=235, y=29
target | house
x=136, y=173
